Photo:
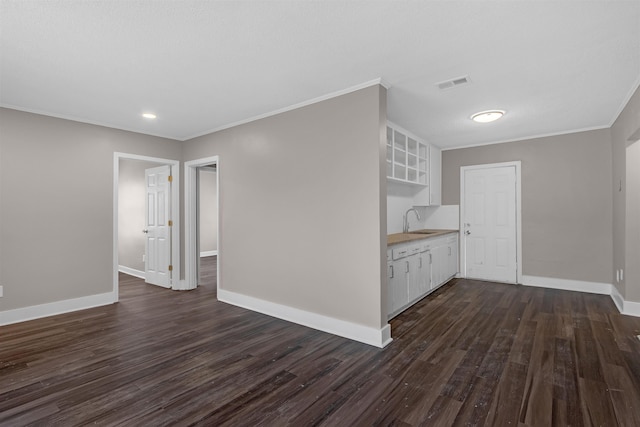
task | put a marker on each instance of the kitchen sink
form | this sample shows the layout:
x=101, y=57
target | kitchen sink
x=422, y=232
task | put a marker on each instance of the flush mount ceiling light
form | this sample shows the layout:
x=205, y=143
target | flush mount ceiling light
x=487, y=116
x=148, y=115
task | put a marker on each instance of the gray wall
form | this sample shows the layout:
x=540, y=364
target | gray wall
x=56, y=180
x=632, y=235
x=208, y=210
x=566, y=201
x=302, y=203
x=626, y=190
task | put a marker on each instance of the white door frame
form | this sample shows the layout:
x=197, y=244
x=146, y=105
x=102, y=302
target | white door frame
x=462, y=240
x=175, y=214
x=191, y=254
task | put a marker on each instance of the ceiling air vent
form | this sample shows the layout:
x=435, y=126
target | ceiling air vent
x=458, y=81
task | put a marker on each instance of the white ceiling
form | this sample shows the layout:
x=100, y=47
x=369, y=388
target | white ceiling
x=555, y=66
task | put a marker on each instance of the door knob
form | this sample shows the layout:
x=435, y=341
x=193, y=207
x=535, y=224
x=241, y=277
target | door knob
x=145, y=231
x=467, y=232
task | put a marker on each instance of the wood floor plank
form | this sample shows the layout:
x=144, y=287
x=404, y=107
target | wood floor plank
x=432, y=382
x=596, y=404
x=566, y=403
x=507, y=397
x=625, y=396
x=537, y=400
x=471, y=353
x=443, y=412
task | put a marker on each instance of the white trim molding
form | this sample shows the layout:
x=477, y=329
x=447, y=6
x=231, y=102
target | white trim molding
x=378, y=81
x=335, y=94
x=462, y=255
x=617, y=299
x=53, y=308
x=175, y=213
x=629, y=308
x=526, y=138
x=208, y=253
x=567, y=285
x=191, y=220
x=181, y=285
x=132, y=272
x=353, y=331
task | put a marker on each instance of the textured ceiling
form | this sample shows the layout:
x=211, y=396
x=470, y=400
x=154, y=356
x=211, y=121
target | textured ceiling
x=555, y=66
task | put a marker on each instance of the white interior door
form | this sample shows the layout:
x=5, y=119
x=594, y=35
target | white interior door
x=489, y=223
x=158, y=226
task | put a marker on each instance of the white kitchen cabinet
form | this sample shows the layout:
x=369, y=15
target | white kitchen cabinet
x=453, y=263
x=409, y=275
x=406, y=271
x=421, y=285
x=417, y=268
x=402, y=274
x=439, y=261
x=398, y=290
x=444, y=251
x=414, y=162
x=407, y=157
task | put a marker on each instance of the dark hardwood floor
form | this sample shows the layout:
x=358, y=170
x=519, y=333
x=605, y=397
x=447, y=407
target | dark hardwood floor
x=472, y=353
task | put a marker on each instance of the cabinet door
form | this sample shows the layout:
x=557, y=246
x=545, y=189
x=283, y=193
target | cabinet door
x=435, y=266
x=439, y=265
x=398, y=285
x=420, y=282
x=399, y=155
x=452, y=264
x=415, y=263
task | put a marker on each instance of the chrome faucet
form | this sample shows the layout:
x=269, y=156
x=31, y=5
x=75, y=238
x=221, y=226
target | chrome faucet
x=405, y=220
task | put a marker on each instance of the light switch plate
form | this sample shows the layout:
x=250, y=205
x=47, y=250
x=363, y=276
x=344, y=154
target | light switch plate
x=1, y=291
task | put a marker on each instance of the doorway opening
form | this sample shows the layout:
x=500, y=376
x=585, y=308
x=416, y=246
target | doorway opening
x=207, y=226
x=491, y=222
x=202, y=194
x=130, y=219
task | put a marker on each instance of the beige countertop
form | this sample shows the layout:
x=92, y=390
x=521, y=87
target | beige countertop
x=394, y=239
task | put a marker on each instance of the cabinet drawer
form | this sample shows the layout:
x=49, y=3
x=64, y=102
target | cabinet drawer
x=415, y=249
x=405, y=251
x=398, y=253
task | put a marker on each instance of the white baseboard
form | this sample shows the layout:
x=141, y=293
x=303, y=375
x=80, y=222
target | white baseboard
x=567, y=285
x=132, y=272
x=372, y=336
x=59, y=307
x=617, y=299
x=182, y=285
x=629, y=308
x=208, y=253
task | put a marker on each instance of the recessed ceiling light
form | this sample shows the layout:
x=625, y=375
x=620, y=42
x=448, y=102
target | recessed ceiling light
x=487, y=116
x=148, y=115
